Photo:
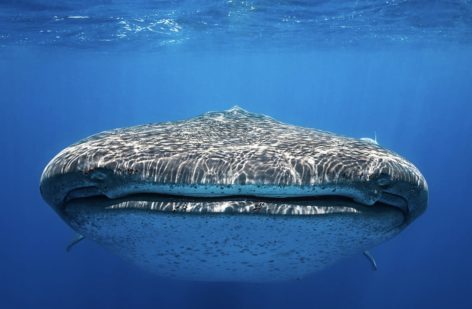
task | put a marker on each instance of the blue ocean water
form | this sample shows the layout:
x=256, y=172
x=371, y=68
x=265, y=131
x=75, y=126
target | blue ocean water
x=400, y=70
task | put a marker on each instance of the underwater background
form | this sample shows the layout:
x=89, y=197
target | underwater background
x=397, y=70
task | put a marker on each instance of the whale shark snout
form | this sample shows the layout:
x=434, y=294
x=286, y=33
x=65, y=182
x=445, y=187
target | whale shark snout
x=233, y=196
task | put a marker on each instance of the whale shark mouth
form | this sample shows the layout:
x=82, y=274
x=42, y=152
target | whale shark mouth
x=236, y=204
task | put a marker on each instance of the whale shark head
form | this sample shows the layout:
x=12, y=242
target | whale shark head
x=233, y=196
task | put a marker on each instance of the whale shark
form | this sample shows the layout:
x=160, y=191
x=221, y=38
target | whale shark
x=233, y=196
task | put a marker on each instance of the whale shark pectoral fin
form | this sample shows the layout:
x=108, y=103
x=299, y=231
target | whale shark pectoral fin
x=74, y=241
x=371, y=259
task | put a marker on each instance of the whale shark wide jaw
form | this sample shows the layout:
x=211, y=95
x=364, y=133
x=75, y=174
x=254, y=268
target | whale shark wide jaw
x=233, y=196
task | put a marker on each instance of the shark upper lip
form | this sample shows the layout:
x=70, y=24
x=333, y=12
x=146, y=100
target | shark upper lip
x=407, y=197
x=102, y=183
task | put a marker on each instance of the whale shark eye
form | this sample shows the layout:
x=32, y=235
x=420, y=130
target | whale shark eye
x=383, y=180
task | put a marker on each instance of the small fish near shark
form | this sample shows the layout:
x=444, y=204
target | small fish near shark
x=233, y=196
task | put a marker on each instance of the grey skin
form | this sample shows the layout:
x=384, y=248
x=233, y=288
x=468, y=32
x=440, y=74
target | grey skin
x=233, y=196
